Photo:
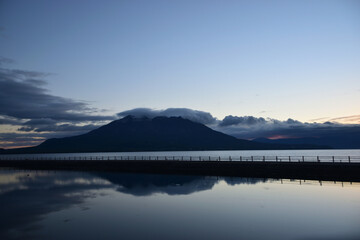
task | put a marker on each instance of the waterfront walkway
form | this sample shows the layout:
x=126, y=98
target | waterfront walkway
x=293, y=159
x=333, y=168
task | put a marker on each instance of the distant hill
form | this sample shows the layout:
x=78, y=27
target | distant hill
x=338, y=142
x=131, y=134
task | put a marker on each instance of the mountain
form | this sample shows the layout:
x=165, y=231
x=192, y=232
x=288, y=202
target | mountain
x=338, y=142
x=131, y=134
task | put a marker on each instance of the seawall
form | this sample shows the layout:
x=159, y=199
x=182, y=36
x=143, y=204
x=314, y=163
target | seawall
x=291, y=170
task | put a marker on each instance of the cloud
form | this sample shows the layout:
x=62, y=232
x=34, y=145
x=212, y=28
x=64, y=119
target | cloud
x=27, y=100
x=348, y=119
x=353, y=119
x=40, y=122
x=243, y=121
x=20, y=139
x=193, y=115
x=250, y=127
x=26, y=104
x=318, y=119
x=59, y=128
x=10, y=140
x=23, y=96
x=9, y=120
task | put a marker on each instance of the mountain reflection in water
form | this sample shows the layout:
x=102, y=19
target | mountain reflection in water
x=34, y=202
x=148, y=184
x=27, y=196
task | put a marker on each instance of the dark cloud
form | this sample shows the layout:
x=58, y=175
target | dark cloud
x=10, y=140
x=28, y=105
x=251, y=127
x=26, y=129
x=19, y=139
x=42, y=121
x=193, y=115
x=26, y=100
x=9, y=120
x=243, y=121
x=23, y=96
x=59, y=128
x=51, y=125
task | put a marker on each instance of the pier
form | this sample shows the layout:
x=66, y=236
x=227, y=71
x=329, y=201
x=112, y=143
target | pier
x=332, y=168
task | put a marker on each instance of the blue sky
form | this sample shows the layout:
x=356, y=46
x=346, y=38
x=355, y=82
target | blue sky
x=277, y=59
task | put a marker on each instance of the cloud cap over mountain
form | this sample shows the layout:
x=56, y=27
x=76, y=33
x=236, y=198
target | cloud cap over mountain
x=190, y=114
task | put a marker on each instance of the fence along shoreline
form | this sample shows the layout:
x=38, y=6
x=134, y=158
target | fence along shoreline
x=319, y=159
x=315, y=168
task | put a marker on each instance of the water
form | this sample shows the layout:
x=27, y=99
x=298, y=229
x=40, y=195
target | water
x=99, y=205
x=213, y=154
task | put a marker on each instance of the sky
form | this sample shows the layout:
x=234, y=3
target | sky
x=69, y=66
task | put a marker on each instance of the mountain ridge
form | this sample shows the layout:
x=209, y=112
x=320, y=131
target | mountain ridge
x=131, y=134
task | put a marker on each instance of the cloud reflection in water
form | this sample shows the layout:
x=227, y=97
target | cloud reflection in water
x=48, y=204
x=27, y=196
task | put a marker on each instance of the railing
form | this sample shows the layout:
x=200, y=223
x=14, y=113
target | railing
x=328, y=159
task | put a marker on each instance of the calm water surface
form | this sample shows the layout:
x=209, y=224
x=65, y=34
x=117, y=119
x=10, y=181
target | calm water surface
x=80, y=205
